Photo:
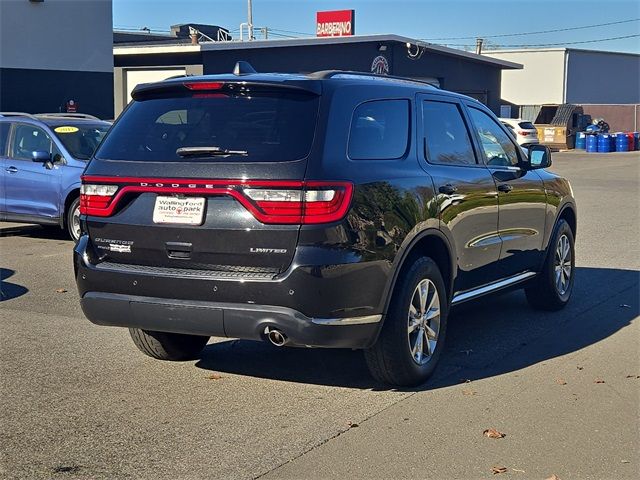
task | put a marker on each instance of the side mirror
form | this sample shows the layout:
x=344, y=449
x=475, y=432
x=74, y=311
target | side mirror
x=41, y=156
x=539, y=157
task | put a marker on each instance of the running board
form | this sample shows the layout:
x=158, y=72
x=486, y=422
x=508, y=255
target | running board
x=478, y=292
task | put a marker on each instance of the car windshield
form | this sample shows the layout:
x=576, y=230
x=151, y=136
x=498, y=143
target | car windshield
x=80, y=140
x=264, y=127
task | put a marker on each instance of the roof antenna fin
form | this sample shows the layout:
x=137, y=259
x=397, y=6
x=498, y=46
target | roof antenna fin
x=243, y=68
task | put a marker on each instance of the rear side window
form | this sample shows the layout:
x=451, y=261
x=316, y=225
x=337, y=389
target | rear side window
x=527, y=126
x=379, y=130
x=446, y=137
x=4, y=138
x=262, y=127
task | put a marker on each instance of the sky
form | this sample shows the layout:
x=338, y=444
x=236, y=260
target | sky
x=434, y=20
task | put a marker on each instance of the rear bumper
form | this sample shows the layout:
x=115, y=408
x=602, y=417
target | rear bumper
x=327, y=305
x=227, y=320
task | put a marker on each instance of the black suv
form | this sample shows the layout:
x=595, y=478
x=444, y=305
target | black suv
x=334, y=209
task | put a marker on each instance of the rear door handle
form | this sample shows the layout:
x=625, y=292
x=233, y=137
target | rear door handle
x=505, y=187
x=12, y=169
x=447, y=189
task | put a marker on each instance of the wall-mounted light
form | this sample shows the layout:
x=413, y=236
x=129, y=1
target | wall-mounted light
x=382, y=47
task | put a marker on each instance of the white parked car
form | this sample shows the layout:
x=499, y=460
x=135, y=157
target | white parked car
x=525, y=132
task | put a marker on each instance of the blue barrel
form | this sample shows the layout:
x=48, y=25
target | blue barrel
x=604, y=143
x=636, y=137
x=581, y=141
x=622, y=142
x=612, y=138
x=592, y=143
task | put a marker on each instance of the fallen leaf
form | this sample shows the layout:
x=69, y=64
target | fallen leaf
x=633, y=376
x=625, y=461
x=497, y=470
x=598, y=380
x=353, y=425
x=493, y=433
x=61, y=290
x=553, y=477
x=579, y=368
x=560, y=381
x=518, y=470
x=468, y=392
x=214, y=376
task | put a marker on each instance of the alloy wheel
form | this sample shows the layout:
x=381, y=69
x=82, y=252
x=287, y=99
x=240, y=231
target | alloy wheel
x=423, y=321
x=562, y=265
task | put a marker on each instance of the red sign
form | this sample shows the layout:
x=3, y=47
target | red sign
x=71, y=106
x=338, y=23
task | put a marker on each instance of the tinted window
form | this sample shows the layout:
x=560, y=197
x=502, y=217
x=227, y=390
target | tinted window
x=269, y=127
x=28, y=139
x=498, y=148
x=80, y=140
x=4, y=137
x=447, y=138
x=379, y=130
x=527, y=125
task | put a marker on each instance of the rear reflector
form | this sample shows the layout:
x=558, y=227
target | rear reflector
x=270, y=202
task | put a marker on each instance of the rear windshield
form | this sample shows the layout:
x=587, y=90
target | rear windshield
x=80, y=140
x=264, y=127
x=526, y=126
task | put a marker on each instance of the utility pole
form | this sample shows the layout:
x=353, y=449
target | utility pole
x=250, y=19
x=265, y=32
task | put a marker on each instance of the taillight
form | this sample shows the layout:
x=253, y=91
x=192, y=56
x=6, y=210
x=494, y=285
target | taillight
x=269, y=201
x=523, y=133
x=316, y=202
x=94, y=199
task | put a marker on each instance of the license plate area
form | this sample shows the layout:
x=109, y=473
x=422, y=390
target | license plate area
x=179, y=210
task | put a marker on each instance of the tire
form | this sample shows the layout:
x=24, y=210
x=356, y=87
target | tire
x=548, y=291
x=168, y=346
x=72, y=219
x=392, y=360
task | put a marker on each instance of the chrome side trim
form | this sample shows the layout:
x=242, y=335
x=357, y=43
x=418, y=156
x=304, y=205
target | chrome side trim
x=347, y=321
x=468, y=295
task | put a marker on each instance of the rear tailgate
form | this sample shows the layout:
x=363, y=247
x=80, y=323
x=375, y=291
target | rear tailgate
x=203, y=176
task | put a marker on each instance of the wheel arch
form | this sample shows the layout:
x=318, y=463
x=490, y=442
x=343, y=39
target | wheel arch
x=430, y=243
x=71, y=195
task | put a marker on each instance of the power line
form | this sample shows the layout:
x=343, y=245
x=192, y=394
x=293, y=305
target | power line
x=535, y=33
x=525, y=45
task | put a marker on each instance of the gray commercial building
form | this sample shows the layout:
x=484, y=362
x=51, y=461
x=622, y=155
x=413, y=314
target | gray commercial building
x=474, y=75
x=602, y=83
x=55, y=51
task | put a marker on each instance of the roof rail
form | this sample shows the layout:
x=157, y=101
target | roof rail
x=326, y=74
x=69, y=115
x=17, y=114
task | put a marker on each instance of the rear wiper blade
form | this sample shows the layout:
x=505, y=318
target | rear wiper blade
x=208, y=152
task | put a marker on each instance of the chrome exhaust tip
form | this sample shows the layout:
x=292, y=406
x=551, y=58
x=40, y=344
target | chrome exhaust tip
x=276, y=337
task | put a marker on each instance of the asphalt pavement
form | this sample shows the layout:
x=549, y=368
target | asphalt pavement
x=79, y=401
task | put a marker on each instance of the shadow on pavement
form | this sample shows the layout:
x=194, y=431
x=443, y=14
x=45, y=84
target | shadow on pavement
x=9, y=290
x=52, y=232
x=482, y=338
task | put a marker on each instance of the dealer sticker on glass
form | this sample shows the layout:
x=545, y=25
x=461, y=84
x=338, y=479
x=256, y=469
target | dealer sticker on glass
x=189, y=211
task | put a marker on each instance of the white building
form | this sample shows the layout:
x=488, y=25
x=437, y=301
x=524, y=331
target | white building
x=53, y=51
